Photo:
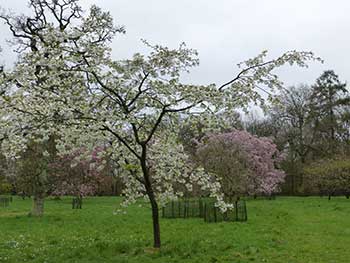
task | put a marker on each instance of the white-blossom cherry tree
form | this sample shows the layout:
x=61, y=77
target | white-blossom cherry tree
x=66, y=83
x=42, y=89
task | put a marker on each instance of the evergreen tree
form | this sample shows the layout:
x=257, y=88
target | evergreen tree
x=328, y=102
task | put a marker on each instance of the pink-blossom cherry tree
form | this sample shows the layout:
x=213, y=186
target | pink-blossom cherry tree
x=244, y=163
x=79, y=173
x=66, y=83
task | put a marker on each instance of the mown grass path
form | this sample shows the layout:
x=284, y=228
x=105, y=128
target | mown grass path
x=285, y=230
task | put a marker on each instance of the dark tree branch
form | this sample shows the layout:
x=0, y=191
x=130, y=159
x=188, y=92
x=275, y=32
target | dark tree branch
x=122, y=140
x=159, y=120
x=140, y=91
x=134, y=173
x=136, y=134
x=239, y=75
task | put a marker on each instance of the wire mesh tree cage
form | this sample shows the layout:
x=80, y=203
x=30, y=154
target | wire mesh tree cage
x=77, y=202
x=206, y=209
x=5, y=201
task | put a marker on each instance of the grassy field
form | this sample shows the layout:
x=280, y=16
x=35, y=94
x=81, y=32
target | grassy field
x=288, y=230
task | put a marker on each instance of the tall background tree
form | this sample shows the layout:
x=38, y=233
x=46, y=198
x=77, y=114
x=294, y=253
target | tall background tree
x=295, y=134
x=328, y=102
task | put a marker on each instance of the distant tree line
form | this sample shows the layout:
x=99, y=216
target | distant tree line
x=311, y=125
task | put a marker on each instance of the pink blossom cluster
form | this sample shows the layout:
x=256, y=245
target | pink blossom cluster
x=79, y=173
x=260, y=157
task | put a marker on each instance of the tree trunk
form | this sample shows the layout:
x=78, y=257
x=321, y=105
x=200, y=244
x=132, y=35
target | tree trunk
x=39, y=191
x=155, y=220
x=152, y=199
x=38, y=206
x=155, y=212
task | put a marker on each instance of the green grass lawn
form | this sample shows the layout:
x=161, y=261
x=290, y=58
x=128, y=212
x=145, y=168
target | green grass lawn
x=288, y=230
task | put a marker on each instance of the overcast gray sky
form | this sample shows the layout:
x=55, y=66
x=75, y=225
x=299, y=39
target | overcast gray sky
x=226, y=32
